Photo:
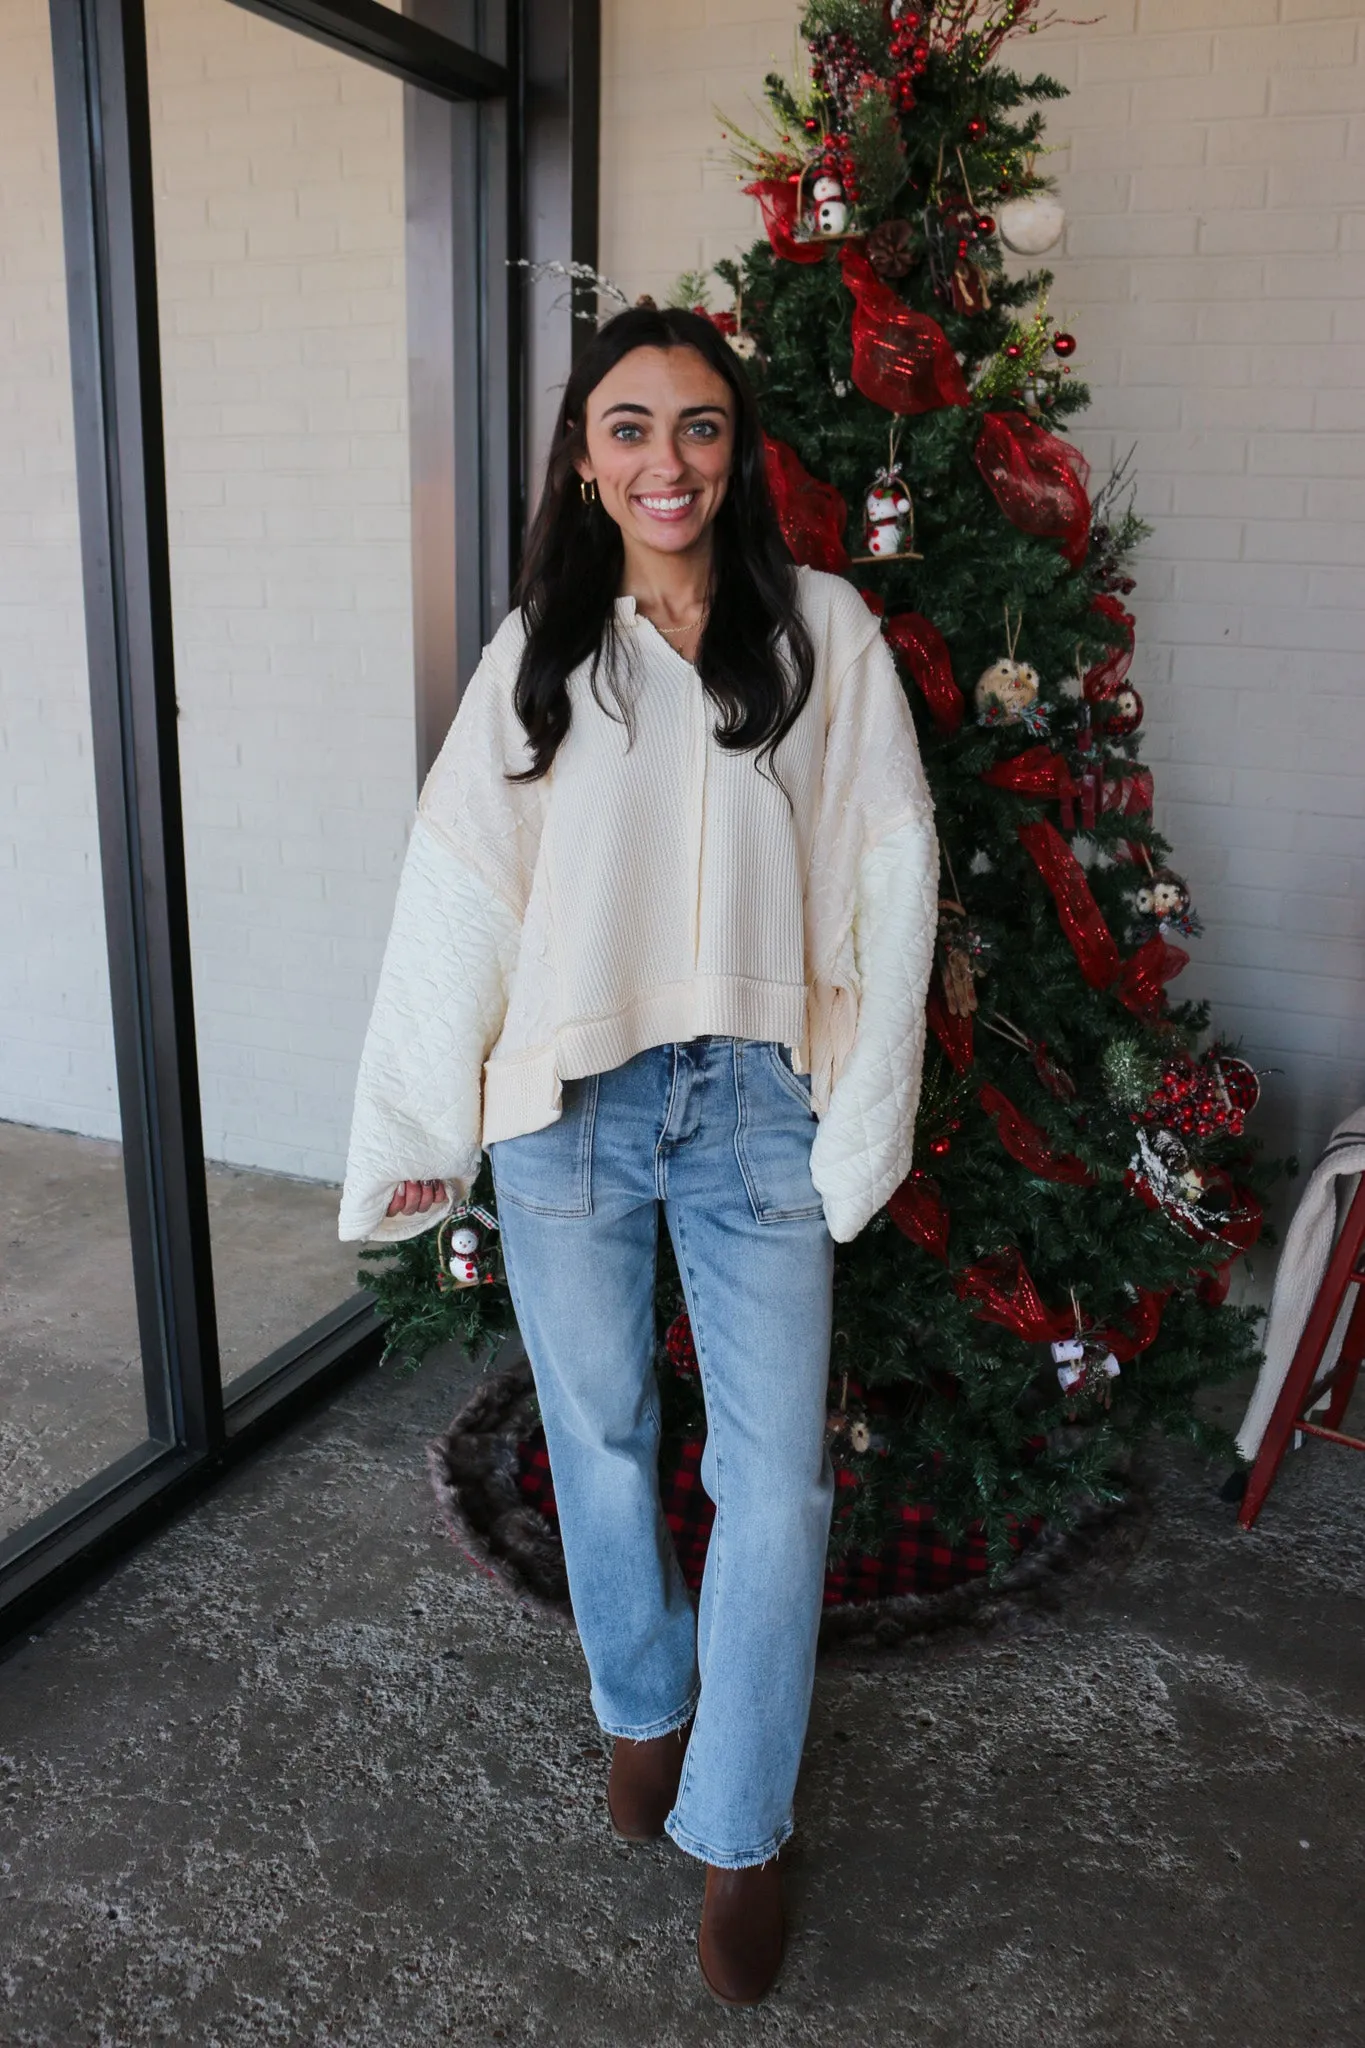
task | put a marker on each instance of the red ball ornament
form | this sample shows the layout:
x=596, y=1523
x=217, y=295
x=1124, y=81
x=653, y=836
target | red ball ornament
x=1063, y=345
x=1013, y=351
x=962, y=247
x=985, y=224
x=977, y=128
x=940, y=1146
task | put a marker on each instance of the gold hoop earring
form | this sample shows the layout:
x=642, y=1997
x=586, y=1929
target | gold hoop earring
x=587, y=489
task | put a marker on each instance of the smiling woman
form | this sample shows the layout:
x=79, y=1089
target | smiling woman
x=681, y=966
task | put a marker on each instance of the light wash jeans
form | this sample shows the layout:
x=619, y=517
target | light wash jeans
x=719, y=1130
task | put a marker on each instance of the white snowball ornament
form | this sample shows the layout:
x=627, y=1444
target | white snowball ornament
x=1032, y=223
x=831, y=209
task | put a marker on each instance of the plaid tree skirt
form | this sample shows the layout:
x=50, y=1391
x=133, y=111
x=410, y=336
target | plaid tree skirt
x=915, y=1560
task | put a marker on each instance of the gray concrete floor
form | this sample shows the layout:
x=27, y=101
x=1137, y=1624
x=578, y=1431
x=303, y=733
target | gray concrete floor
x=296, y=1773
x=71, y=1393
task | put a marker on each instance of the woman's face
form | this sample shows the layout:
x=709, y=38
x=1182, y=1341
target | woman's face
x=660, y=435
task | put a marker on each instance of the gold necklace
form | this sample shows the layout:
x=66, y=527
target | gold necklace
x=672, y=632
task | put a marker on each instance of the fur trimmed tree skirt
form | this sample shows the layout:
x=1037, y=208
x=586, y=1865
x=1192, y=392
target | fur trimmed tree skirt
x=491, y=1477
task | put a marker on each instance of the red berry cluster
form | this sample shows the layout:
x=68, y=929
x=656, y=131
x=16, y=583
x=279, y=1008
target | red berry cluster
x=836, y=69
x=1202, y=1099
x=909, y=55
x=837, y=161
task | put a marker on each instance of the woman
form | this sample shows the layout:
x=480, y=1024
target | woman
x=663, y=937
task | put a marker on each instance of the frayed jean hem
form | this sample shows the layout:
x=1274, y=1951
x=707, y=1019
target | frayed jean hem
x=668, y=1726
x=726, y=1859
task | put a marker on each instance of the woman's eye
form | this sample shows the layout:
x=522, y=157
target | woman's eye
x=704, y=430
x=625, y=432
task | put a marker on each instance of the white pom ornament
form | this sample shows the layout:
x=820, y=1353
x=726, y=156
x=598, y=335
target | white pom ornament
x=1032, y=223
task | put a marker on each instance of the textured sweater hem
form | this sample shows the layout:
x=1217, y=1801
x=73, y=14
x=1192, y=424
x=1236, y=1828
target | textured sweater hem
x=522, y=1090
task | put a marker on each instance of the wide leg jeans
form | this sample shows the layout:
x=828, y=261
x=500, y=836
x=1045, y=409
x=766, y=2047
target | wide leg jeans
x=718, y=1131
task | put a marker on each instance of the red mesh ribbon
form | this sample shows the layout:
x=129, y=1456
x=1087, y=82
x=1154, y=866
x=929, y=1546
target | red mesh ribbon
x=812, y=515
x=779, y=202
x=1027, y=1143
x=1001, y=1289
x=901, y=358
x=924, y=651
x=1107, y=675
x=1143, y=981
x=1091, y=939
x=1241, y=1230
x=954, y=1034
x=1037, y=480
x=1035, y=772
x=1131, y=797
x=918, y=1208
x=1142, y=1325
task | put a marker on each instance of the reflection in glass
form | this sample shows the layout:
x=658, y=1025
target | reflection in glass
x=280, y=224
x=71, y=1393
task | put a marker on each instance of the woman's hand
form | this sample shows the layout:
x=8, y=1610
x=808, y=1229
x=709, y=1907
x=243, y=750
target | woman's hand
x=411, y=1197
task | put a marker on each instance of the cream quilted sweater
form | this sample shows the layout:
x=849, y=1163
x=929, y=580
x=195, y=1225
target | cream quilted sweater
x=653, y=888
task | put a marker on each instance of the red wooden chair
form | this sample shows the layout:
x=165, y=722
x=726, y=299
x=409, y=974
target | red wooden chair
x=1302, y=1387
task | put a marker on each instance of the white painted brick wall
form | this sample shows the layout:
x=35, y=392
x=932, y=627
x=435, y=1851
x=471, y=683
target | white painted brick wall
x=1212, y=161
x=279, y=171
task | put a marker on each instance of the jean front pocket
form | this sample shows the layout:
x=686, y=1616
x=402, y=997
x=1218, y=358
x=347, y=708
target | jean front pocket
x=774, y=1135
x=550, y=1170
x=796, y=1084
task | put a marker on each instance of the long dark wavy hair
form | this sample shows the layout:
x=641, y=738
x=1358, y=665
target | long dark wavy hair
x=755, y=659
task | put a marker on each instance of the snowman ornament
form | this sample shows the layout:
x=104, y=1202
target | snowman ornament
x=463, y=1258
x=1077, y=1359
x=830, y=215
x=459, y=1246
x=888, y=508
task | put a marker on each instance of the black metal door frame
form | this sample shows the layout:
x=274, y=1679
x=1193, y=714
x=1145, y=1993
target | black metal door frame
x=468, y=164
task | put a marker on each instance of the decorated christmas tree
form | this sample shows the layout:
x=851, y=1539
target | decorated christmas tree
x=1049, y=1285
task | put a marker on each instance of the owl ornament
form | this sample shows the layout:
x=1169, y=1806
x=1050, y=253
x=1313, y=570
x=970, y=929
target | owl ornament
x=1119, y=715
x=458, y=1245
x=1007, y=692
x=1161, y=903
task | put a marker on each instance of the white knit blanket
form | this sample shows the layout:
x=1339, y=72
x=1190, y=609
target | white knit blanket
x=1307, y=1248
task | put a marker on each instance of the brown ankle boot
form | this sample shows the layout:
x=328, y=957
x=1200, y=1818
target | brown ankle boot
x=742, y=1932
x=643, y=1783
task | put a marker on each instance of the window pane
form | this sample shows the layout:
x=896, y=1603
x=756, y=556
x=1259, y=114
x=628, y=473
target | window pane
x=280, y=225
x=71, y=1389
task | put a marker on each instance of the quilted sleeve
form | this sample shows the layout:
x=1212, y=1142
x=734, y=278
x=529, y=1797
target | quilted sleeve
x=438, y=1010
x=862, y=1149
x=874, y=895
